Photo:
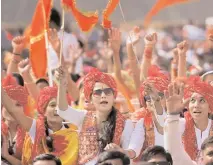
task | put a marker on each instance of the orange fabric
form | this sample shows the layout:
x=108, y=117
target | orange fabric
x=158, y=79
x=160, y=4
x=111, y=6
x=149, y=129
x=38, y=56
x=96, y=76
x=9, y=36
x=189, y=137
x=195, y=84
x=127, y=94
x=85, y=20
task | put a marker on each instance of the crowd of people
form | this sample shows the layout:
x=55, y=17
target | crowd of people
x=141, y=97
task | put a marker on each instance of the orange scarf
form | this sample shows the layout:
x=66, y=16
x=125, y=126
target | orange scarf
x=88, y=142
x=149, y=130
x=19, y=138
x=189, y=137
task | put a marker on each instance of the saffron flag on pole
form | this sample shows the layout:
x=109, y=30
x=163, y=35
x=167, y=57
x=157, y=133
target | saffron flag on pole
x=159, y=5
x=111, y=6
x=38, y=54
x=85, y=20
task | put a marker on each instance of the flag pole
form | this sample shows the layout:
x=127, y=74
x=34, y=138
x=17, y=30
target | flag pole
x=62, y=38
x=48, y=59
x=61, y=53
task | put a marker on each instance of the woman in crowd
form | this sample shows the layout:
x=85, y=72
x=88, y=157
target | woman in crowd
x=12, y=132
x=200, y=103
x=47, y=134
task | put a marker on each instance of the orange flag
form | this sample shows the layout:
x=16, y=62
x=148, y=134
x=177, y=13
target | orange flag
x=107, y=12
x=38, y=55
x=160, y=4
x=85, y=20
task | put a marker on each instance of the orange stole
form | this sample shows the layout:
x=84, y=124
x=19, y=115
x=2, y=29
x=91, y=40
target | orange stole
x=149, y=131
x=189, y=137
x=88, y=143
x=65, y=143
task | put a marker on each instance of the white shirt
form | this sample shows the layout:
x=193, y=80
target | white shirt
x=32, y=131
x=159, y=140
x=173, y=141
x=200, y=136
x=76, y=117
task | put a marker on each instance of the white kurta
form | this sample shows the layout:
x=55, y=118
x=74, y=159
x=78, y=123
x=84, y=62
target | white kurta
x=200, y=136
x=139, y=127
x=76, y=117
x=173, y=130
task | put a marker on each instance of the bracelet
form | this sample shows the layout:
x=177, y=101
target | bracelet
x=148, y=52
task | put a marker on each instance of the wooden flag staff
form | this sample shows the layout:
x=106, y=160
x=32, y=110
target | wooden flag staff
x=61, y=52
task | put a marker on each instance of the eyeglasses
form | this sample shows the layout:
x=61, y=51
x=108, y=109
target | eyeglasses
x=107, y=92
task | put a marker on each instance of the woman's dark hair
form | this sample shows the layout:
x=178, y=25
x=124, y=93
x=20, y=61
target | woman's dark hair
x=19, y=79
x=42, y=80
x=150, y=152
x=55, y=17
x=207, y=142
x=47, y=157
x=110, y=155
x=107, y=130
x=49, y=139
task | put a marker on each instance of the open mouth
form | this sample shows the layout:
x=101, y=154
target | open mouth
x=104, y=102
x=197, y=112
x=56, y=115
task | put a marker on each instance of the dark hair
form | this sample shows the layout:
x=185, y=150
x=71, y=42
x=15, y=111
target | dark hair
x=49, y=139
x=207, y=142
x=156, y=150
x=107, y=130
x=19, y=79
x=110, y=155
x=55, y=17
x=42, y=80
x=47, y=157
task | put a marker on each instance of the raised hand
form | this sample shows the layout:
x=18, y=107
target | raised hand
x=61, y=75
x=54, y=40
x=174, y=98
x=106, y=52
x=24, y=67
x=115, y=40
x=134, y=36
x=175, y=55
x=5, y=145
x=151, y=39
x=151, y=91
x=114, y=147
x=18, y=44
x=182, y=48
